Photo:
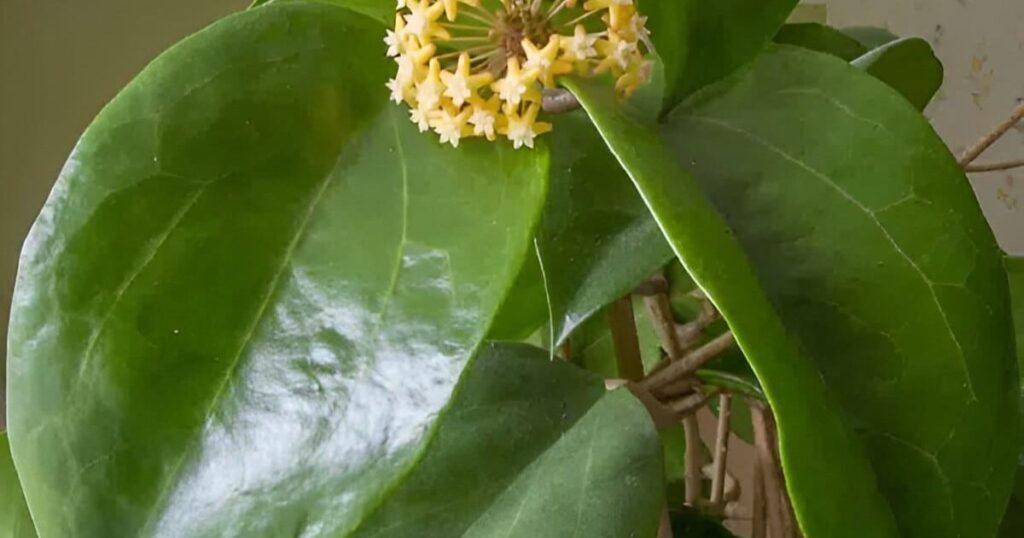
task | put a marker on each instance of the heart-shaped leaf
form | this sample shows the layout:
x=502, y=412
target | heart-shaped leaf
x=702, y=41
x=15, y=521
x=871, y=245
x=253, y=289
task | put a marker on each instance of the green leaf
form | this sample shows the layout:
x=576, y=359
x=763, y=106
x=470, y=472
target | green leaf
x=907, y=65
x=381, y=10
x=253, y=289
x=818, y=448
x=532, y=447
x=871, y=245
x=15, y=521
x=596, y=240
x=821, y=38
x=1012, y=525
x=870, y=36
x=702, y=41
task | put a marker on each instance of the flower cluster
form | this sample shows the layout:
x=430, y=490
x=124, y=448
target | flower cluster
x=466, y=70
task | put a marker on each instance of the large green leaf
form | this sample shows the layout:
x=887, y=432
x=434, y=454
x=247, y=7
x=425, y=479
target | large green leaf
x=907, y=65
x=872, y=247
x=814, y=36
x=15, y=521
x=702, y=41
x=381, y=10
x=1012, y=525
x=532, y=447
x=253, y=289
x=819, y=450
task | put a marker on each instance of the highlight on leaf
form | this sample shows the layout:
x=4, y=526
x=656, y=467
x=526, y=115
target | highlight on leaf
x=478, y=68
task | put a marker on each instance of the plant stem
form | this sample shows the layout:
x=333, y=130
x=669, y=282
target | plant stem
x=759, y=527
x=986, y=141
x=769, y=472
x=721, y=448
x=994, y=167
x=559, y=101
x=692, y=362
x=693, y=460
x=624, y=338
x=659, y=309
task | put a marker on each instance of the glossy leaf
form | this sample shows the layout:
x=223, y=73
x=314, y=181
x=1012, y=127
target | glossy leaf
x=871, y=245
x=907, y=65
x=818, y=448
x=253, y=289
x=15, y=521
x=596, y=241
x=531, y=447
x=821, y=38
x=702, y=41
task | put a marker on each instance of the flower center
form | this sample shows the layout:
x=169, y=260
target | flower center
x=479, y=67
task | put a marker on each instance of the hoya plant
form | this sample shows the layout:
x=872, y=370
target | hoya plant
x=476, y=267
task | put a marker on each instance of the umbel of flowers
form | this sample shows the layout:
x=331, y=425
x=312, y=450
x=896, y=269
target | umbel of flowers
x=478, y=68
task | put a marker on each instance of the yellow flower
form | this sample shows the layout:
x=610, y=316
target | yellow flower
x=450, y=123
x=481, y=73
x=451, y=7
x=484, y=118
x=462, y=85
x=422, y=21
x=515, y=85
x=428, y=91
x=522, y=130
x=580, y=46
x=545, y=61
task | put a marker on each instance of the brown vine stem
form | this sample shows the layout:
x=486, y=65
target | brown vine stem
x=772, y=482
x=625, y=340
x=994, y=167
x=559, y=101
x=721, y=448
x=692, y=460
x=789, y=526
x=691, y=362
x=986, y=141
x=659, y=309
x=759, y=528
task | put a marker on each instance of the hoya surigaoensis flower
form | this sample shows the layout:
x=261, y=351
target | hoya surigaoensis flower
x=467, y=71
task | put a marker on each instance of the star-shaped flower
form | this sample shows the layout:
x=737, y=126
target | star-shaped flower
x=516, y=83
x=422, y=21
x=545, y=61
x=411, y=63
x=462, y=85
x=450, y=123
x=523, y=129
x=484, y=118
x=580, y=46
x=421, y=118
x=428, y=90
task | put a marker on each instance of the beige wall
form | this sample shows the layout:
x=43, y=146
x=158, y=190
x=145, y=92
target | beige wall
x=60, y=61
